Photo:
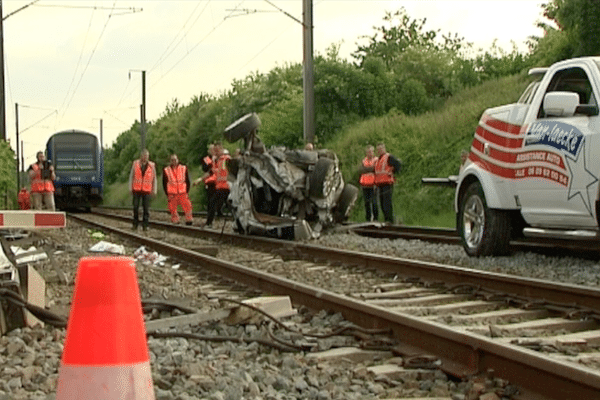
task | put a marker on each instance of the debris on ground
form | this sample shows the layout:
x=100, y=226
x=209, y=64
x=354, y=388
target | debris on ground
x=107, y=247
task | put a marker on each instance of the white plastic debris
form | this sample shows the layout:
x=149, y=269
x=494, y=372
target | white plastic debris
x=147, y=258
x=107, y=247
x=4, y=261
x=17, y=251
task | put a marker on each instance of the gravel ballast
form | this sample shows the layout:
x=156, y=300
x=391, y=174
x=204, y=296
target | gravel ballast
x=193, y=369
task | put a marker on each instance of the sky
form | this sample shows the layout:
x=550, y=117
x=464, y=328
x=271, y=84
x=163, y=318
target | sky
x=77, y=64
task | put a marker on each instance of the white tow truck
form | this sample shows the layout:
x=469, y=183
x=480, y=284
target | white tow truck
x=533, y=166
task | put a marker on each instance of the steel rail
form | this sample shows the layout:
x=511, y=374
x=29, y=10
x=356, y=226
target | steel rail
x=451, y=236
x=442, y=235
x=462, y=354
x=535, y=289
x=154, y=210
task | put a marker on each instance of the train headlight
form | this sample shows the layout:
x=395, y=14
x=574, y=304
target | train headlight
x=93, y=179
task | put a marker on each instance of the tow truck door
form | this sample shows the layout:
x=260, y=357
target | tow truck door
x=557, y=168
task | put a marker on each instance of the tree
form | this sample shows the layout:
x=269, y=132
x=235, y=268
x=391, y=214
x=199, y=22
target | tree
x=282, y=123
x=399, y=33
x=413, y=54
x=497, y=62
x=576, y=33
x=8, y=183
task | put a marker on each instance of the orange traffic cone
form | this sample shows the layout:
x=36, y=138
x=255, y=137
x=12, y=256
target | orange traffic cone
x=105, y=354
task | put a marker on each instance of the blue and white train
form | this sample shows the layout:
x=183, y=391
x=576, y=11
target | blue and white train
x=79, y=167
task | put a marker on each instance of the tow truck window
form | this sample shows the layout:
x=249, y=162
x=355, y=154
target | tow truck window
x=572, y=80
x=529, y=93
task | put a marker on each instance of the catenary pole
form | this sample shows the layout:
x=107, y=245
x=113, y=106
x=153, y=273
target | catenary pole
x=308, y=73
x=143, y=112
x=2, y=99
x=308, y=81
x=17, y=144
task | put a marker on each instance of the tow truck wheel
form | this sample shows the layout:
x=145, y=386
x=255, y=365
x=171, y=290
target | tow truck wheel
x=483, y=231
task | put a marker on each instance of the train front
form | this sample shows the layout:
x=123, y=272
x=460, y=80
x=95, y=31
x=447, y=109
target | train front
x=79, y=169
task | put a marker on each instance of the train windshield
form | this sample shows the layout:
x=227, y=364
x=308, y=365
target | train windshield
x=69, y=160
x=74, y=153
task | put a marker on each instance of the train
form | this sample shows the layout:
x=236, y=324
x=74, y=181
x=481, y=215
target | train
x=79, y=167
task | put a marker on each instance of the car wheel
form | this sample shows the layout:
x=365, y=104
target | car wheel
x=242, y=127
x=319, y=178
x=345, y=202
x=483, y=231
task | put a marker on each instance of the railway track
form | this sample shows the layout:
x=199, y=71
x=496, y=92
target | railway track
x=536, y=334
x=581, y=248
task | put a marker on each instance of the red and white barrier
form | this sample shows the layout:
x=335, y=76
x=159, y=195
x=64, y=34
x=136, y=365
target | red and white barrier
x=106, y=354
x=32, y=219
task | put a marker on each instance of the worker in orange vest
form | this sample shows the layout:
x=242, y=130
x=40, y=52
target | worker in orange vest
x=385, y=168
x=41, y=174
x=142, y=185
x=367, y=182
x=219, y=171
x=176, y=182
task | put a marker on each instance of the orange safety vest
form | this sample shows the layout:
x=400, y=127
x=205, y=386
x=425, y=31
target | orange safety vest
x=176, y=179
x=39, y=185
x=368, y=179
x=142, y=183
x=220, y=172
x=211, y=179
x=384, y=173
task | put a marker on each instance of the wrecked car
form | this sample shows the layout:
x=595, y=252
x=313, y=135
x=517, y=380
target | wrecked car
x=281, y=192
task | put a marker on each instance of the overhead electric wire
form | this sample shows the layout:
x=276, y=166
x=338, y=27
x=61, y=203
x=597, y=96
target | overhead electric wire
x=123, y=94
x=52, y=112
x=275, y=38
x=79, y=60
x=196, y=45
x=163, y=57
x=88, y=62
x=285, y=12
x=38, y=121
x=183, y=34
x=228, y=16
x=166, y=53
x=113, y=8
x=260, y=51
x=117, y=118
x=19, y=9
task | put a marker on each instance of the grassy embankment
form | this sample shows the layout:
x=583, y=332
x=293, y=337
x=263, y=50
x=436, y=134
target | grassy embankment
x=429, y=145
